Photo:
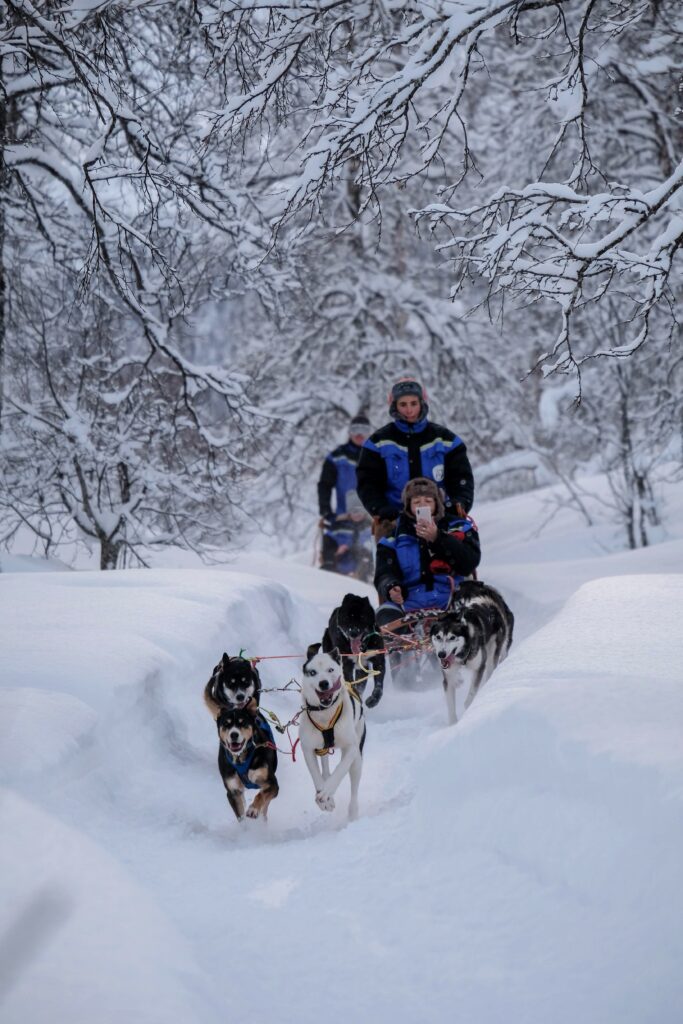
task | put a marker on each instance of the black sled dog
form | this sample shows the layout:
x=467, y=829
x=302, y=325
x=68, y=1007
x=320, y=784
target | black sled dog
x=471, y=639
x=352, y=629
x=234, y=683
x=247, y=759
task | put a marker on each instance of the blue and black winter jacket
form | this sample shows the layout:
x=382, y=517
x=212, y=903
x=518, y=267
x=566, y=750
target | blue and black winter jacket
x=338, y=475
x=427, y=573
x=399, y=452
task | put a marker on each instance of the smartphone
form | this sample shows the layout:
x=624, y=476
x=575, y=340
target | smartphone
x=423, y=514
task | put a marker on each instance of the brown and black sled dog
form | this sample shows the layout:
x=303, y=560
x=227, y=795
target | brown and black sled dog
x=247, y=759
x=247, y=755
x=234, y=683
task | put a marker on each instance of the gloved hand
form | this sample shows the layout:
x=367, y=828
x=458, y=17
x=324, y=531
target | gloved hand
x=327, y=521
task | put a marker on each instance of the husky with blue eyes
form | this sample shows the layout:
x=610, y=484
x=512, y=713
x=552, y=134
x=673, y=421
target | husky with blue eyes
x=332, y=719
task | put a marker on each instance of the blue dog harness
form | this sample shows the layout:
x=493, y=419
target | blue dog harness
x=242, y=767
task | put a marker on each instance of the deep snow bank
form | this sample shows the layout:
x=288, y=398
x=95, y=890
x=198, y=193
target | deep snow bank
x=81, y=941
x=559, y=799
x=523, y=866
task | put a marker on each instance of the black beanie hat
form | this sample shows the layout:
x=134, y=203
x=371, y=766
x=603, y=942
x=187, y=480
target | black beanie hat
x=360, y=424
x=403, y=387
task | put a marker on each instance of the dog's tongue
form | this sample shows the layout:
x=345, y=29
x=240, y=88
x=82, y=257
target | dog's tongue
x=326, y=697
x=356, y=642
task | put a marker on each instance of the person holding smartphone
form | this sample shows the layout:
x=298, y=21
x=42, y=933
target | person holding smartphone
x=431, y=551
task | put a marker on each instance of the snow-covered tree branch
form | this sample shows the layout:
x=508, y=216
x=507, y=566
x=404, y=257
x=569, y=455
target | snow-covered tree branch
x=521, y=117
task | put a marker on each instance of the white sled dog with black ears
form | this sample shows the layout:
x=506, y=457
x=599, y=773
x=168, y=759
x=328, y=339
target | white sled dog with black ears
x=331, y=719
x=471, y=639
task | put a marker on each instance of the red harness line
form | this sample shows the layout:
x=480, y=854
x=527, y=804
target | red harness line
x=274, y=657
x=282, y=728
x=401, y=639
x=292, y=751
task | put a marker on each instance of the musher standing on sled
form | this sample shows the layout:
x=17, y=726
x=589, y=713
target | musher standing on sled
x=339, y=476
x=408, y=447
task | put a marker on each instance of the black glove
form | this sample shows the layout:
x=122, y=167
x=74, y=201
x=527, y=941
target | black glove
x=327, y=521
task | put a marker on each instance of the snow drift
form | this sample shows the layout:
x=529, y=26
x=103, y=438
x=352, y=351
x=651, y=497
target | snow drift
x=522, y=866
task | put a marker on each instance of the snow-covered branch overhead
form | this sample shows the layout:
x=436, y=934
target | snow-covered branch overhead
x=546, y=131
x=104, y=158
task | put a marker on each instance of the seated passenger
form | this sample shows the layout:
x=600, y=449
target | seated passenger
x=429, y=554
x=348, y=541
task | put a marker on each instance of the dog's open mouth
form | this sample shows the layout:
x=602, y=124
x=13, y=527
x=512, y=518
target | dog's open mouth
x=235, y=746
x=327, y=697
x=447, y=659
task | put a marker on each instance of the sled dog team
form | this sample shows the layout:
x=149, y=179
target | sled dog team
x=470, y=640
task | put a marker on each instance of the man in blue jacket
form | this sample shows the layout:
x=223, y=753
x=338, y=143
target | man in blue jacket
x=408, y=447
x=338, y=481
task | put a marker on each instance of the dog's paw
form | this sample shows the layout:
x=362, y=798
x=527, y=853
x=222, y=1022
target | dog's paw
x=324, y=802
x=252, y=812
x=374, y=698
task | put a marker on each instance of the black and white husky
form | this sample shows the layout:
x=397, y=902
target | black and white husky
x=332, y=719
x=471, y=639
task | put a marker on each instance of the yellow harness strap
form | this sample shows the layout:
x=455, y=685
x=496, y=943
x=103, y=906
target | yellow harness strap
x=329, y=728
x=370, y=673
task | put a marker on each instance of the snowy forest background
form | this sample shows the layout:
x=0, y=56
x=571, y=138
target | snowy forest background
x=227, y=226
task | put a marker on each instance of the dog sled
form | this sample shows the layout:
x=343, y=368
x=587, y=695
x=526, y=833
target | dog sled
x=411, y=659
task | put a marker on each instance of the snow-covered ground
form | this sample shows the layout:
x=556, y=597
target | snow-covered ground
x=522, y=866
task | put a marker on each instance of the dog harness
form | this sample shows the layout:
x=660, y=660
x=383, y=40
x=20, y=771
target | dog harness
x=328, y=730
x=242, y=767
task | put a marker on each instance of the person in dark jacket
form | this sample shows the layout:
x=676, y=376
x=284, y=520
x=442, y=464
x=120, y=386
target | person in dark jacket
x=408, y=447
x=336, y=488
x=422, y=564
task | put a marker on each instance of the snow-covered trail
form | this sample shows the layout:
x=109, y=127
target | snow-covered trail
x=132, y=764
x=524, y=865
